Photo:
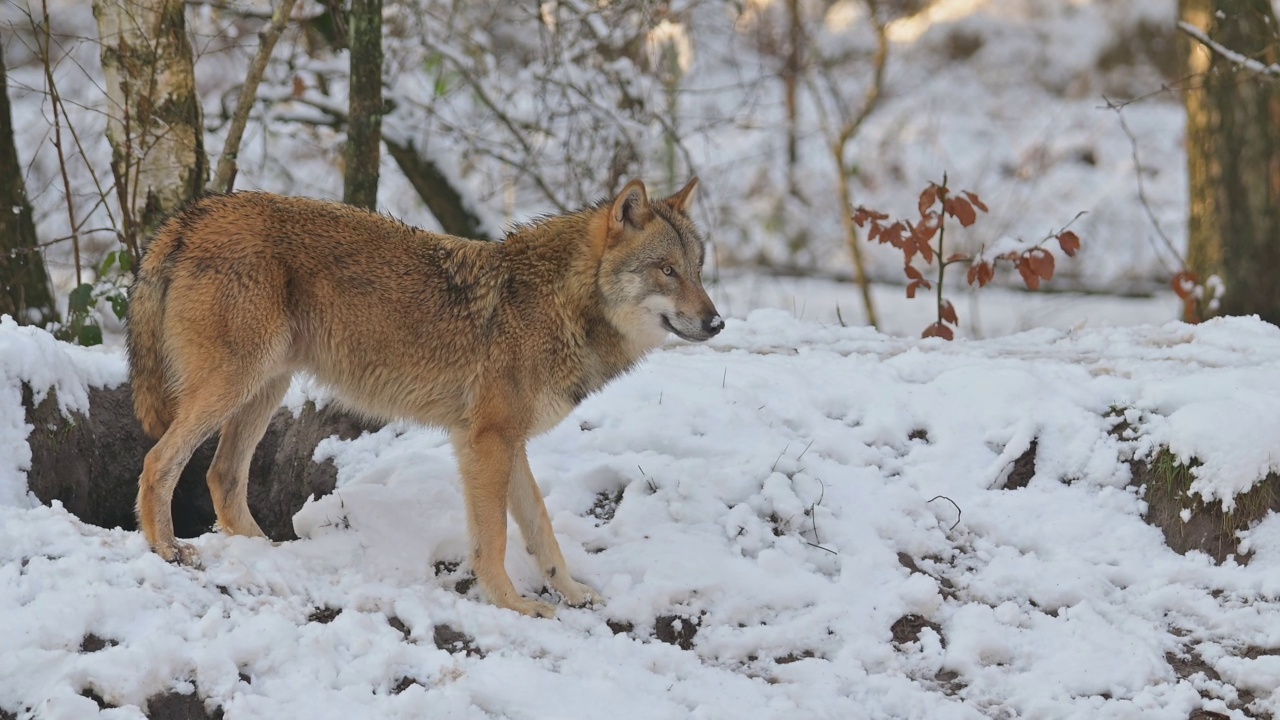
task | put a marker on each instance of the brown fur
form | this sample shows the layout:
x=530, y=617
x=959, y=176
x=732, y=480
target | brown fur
x=496, y=342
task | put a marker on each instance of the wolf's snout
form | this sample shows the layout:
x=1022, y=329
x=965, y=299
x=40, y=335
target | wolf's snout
x=712, y=325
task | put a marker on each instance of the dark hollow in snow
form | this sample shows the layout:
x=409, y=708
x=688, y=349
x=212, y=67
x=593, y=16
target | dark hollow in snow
x=92, y=643
x=399, y=625
x=324, y=615
x=1024, y=468
x=92, y=463
x=906, y=629
x=403, y=684
x=794, y=657
x=620, y=627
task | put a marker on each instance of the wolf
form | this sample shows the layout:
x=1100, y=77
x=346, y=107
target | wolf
x=495, y=342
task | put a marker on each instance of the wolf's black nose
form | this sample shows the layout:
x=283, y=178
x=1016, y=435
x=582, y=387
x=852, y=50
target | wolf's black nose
x=713, y=325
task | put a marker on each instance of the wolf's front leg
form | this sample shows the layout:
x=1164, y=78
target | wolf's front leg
x=531, y=514
x=486, y=459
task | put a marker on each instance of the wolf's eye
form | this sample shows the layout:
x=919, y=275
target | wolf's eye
x=668, y=270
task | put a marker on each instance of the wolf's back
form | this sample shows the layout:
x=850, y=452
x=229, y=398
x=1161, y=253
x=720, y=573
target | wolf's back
x=148, y=366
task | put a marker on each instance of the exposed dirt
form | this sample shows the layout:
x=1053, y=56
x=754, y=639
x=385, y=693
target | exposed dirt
x=1024, y=468
x=176, y=706
x=606, y=505
x=676, y=630
x=92, y=643
x=324, y=615
x=1206, y=527
x=620, y=627
x=794, y=657
x=94, y=696
x=399, y=625
x=1188, y=663
x=403, y=684
x=906, y=629
x=454, y=641
x=450, y=571
x=170, y=705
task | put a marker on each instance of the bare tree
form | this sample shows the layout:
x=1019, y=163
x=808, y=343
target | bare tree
x=155, y=128
x=841, y=118
x=1233, y=155
x=225, y=177
x=24, y=285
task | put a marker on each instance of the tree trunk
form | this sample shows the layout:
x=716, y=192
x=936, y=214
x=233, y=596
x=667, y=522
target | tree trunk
x=791, y=69
x=444, y=200
x=1233, y=157
x=24, y=286
x=154, y=124
x=364, y=118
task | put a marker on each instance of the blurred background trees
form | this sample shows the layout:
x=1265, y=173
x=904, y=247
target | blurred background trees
x=791, y=112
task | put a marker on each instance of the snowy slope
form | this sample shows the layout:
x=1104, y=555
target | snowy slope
x=785, y=499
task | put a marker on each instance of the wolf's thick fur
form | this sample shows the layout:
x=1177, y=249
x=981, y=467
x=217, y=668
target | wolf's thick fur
x=495, y=342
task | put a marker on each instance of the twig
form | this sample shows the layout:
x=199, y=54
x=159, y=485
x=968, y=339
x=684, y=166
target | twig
x=225, y=177
x=840, y=142
x=959, y=512
x=1231, y=56
x=1142, y=188
x=815, y=545
x=779, y=458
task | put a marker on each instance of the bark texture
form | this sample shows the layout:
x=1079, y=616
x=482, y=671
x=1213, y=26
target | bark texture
x=1233, y=156
x=91, y=463
x=441, y=197
x=155, y=127
x=364, y=116
x=24, y=285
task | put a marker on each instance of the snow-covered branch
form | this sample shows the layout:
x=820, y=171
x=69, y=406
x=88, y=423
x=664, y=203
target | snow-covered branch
x=1248, y=63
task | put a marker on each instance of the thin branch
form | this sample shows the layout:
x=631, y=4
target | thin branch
x=57, y=142
x=1142, y=188
x=1268, y=71
x=840, y=142
x=879, y=61
x=225, y=177
x=959, y=512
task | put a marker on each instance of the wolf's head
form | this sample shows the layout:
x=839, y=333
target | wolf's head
x=651, y=269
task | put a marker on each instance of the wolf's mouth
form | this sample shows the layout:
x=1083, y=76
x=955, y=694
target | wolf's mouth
x=666, y=325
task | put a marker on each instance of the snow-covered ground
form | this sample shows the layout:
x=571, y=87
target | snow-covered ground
x=787, y=499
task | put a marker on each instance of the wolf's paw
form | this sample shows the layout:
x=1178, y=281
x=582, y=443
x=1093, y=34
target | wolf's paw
x=179, y=553
x=533, y=608
x=576, y=594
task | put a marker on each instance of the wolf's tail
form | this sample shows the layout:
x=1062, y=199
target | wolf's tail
x=148, y=363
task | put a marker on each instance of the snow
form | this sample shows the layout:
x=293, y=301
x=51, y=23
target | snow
x=771, y=483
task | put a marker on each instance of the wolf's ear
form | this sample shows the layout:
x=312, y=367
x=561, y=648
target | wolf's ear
x=631, y=207
x=682, y=202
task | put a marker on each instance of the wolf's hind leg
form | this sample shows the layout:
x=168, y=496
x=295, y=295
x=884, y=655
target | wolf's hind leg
x=228, y=476
x=197, y=416
x=535, y=525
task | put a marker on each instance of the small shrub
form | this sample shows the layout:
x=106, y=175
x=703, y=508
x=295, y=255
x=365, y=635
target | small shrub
x=926, y=238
